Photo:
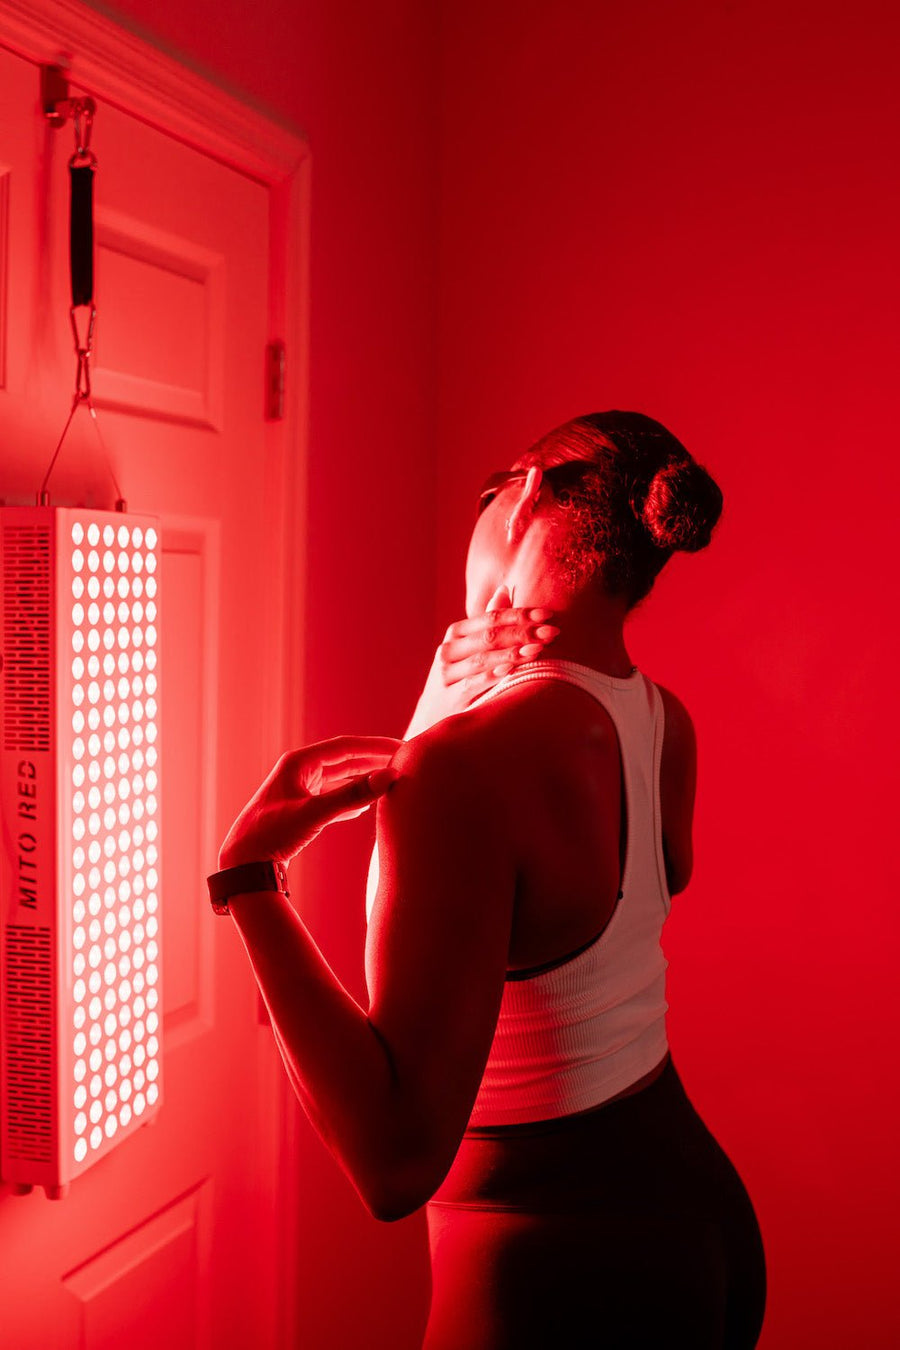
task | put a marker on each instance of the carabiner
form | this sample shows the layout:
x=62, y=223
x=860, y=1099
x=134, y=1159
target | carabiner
x=83, y=120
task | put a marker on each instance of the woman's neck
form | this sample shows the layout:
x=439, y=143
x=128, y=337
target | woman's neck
x=599, y=651
x=591, y=632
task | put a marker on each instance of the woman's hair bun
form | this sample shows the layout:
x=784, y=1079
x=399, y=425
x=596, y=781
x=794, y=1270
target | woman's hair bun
x=682, y=506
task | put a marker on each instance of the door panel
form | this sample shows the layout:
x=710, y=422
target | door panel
x=171, y=365
x=189, y=557
x=146, y=1285
x=169, y=1240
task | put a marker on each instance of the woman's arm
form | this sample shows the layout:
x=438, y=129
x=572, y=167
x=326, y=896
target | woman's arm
x=677, y=788
x=338, y=1068
x=390, y=1090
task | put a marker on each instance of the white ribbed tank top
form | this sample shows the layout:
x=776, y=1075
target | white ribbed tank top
x=569, y=1038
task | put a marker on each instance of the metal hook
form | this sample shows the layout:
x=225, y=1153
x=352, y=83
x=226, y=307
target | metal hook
x=83, y=354
x=83, y=117
x=58, y=107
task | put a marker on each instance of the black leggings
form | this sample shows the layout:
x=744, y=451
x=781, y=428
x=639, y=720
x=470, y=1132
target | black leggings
x=621, y=1228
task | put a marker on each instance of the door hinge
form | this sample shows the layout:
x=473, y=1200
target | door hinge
x=275, y=359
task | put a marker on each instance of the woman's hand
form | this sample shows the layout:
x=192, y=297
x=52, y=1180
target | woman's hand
x=476, y=653
x=307, y=790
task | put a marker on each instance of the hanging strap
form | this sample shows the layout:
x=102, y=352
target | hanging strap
x=81, y=205
x=81, y=243
x=81, y=233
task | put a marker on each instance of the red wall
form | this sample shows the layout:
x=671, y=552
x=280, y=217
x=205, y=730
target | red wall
x=693, y=209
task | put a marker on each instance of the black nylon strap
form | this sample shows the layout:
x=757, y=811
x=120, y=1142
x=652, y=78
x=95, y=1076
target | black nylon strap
x=243, y=879
x=81, y=233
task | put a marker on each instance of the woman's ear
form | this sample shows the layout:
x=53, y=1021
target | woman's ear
x=524, y=504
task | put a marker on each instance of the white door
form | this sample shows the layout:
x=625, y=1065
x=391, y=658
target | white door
x=169, y=1241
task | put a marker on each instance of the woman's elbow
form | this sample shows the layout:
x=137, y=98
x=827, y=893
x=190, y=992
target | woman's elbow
x=389, y=1203
x=400, y=1190
x=679, y=868
x=677, y=882
x=392, y=1208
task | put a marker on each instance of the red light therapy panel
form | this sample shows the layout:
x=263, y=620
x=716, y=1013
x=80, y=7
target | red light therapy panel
x=80, y=854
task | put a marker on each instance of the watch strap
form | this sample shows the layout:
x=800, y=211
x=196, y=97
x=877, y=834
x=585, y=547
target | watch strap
x=244, y=879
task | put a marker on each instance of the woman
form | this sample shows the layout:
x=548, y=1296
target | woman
x=511, y=1071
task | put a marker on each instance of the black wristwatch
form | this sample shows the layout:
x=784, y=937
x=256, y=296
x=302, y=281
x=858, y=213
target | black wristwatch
x=252, y=876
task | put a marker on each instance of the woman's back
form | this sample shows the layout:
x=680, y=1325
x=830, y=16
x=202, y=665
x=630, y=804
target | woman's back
x=576, y=792
x=552, y=741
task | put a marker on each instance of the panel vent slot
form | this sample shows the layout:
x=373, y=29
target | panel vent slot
x=28, y=1015
x=26, y=637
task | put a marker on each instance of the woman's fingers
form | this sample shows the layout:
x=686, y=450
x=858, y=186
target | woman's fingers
x=305, y=791
x=343, y=749
x=495, y=641
x=477, y=672
x=350, y=799
x=340, y=757
x=335, y=772
x=497, y=620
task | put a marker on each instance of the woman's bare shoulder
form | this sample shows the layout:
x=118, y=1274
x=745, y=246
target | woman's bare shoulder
x=554, y=706
x=448, y=754
x=505, y=739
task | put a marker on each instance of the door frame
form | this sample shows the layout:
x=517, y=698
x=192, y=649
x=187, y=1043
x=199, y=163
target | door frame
x=127, y=71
